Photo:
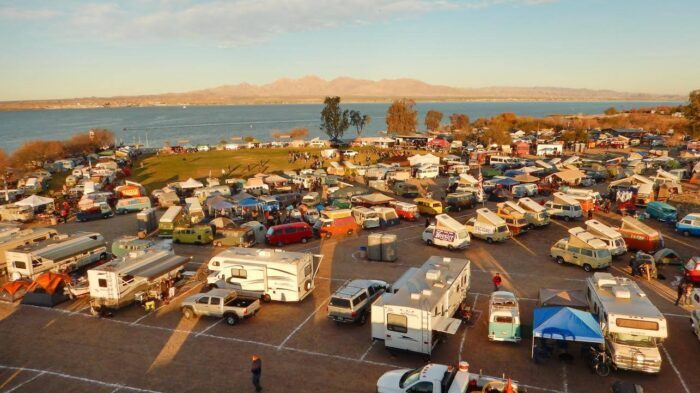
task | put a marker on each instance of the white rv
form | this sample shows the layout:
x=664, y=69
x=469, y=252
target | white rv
x=418, y=309
x=612, y=238
x=564, y=206
x=535, y=214
x=60, y=255
x=116, y=284
x=13, y=239
x=268, y=274
x=633, y=327
x=446, y=232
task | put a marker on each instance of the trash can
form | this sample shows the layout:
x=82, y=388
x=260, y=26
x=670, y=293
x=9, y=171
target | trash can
x=389, y=249
x=374, y=247
x=363, y=252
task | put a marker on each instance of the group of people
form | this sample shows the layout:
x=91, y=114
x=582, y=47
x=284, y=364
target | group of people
x=685, y=291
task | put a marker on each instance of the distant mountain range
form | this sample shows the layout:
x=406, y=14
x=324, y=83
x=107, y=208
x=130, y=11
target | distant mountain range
x=312, y=89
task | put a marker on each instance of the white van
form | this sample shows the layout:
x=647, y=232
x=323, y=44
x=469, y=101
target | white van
x=446, y=232
x=564, y=206
x=612, y=238
x=427, y=172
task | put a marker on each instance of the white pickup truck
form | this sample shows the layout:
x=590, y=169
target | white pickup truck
x=220, y=303
x=438, y=378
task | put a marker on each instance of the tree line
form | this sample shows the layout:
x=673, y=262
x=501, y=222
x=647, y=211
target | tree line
x=34, y=153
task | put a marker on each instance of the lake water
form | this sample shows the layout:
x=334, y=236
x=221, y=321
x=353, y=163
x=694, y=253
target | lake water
x=211, y=124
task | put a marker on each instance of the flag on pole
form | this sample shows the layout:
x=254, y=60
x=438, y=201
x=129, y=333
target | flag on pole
x=481, y=185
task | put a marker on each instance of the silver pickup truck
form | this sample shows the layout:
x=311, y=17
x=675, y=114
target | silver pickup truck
x=220, y=303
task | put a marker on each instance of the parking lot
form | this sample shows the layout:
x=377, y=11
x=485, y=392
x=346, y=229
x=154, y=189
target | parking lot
x=67, y=349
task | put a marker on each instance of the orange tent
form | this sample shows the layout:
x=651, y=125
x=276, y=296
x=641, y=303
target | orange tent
x=48, y=282
x=14, y=290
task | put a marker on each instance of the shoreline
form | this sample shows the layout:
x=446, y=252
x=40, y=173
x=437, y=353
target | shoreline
x=8, y=107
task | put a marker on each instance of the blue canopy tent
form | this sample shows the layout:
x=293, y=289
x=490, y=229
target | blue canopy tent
x=565, y=324
x=513, y=172
x=506, y=182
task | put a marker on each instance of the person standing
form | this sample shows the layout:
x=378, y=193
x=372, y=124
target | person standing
x=680, y=291
x=256, y=371
x=590, y=213
x=497, y=282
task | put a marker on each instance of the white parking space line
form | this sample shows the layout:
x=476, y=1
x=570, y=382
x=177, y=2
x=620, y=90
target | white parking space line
x=80, y=379
x=25, y=382
x=565, y=379
x=364, y=355
x=209, y=327
x=464, y=335
x=673, y=366
x=296, y=329
x=530, y=387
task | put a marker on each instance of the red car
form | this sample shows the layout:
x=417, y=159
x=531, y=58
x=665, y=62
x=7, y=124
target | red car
x=295, y=232
x=692, y=270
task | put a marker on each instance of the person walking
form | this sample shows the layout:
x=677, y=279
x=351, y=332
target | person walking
x=497, y=282
x=680, y=290
x=256, y=371
x=590, y=214
x=687, y=294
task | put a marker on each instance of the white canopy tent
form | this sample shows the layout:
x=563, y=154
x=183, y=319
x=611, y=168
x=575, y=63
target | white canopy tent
x=35, y=201
x=190, y=184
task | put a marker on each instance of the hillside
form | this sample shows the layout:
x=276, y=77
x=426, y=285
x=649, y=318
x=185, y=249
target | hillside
x=312, y=89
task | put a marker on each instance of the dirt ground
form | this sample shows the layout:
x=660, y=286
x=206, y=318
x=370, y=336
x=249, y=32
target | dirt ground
x=66, y=349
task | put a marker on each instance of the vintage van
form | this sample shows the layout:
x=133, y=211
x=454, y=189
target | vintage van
x=564, y=206
x=428, y=206
x=583, y=249
x=132, y=205
x=196, y=234
x=662, y=211
x=689, y=225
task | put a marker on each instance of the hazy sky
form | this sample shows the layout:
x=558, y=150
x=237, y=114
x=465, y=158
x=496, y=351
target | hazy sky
x=69, y=48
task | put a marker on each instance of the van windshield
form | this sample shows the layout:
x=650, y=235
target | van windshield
x=270, y=231
x=410, y=377
x=634, y=340
x=576, y=208
x=502, y=228
x=462, y=234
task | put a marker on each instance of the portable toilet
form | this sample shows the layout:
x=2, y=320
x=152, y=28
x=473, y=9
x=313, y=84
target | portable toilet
x=374, y=247
x=389, y=250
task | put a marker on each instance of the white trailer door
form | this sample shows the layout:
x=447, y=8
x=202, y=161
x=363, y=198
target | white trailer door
x=407, y=332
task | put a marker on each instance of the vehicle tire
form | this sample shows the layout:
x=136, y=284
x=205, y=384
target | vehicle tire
x=429, y=242
x=686, y=233
x=280, y=244
x=587, y=268
x=363, y=318
x=187, y=312
x=266, y=298
x=449, y=247
x=304, y=240
x=328, y=235
x=567, y=218
x=231, y=319
x=217, y=244
x=560, y=260
x=602, y=369
x=176, y=241
x=489, y=240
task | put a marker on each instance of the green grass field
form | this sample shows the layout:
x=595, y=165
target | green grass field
x=159, y=170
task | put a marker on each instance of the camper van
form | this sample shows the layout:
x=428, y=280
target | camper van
x=689, y=225
x=535, y=214
x=132, y=205
x=633, y=327
x=20, y=238
x=406, y=190
x=504, y=317
x=460, y=200
x=62, y=254
x=639, y=236
x=266, y=274
x=417, y=311
x=196, y=234
x=583, y=249
x=335, y=223
x=488, y=226
x=446, y=232
x=387, y=216
x=235, y=237
x=118, y=283
x=564, y=206
x=662, y=211
x=427, y=206
x=514, y=217
x=406, y=211
x=290, y=233
x=195, y=212
x=524, y=190
x=612, y=238
x=172, y=217
x=311, y=199
x=365, y=217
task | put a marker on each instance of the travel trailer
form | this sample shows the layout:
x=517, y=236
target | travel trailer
x=639, y=236
x=611, y=237
x=172, y=217
x=365, y=217
x=418, y=309
x=564, y=206
x=118, y=283
x=488, y=226
x=20, y=238
x=535, y=214
x=268, y=274
x=62, y=254
x=12, y=212
x=633, y=327
x=446, y=232
x=514, y=216
x=583, y=249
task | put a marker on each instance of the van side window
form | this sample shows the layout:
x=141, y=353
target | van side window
x=587, y=252
x=397, y=323
x=290, y=230
x=203, y=300
x=576, y=250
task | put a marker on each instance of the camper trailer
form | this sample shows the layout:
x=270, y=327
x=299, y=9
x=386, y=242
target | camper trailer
x=639, y=236
x=488, y=226
x=22, y=238
x=268, y=274
x=417, y=311
x=583, y=249
x=609, y=236
x=118, y=283
x=633, y=327
x=514, y=216
x=59, y=255
x=365, y=217
x=446, y=232
x=535, y=214
x=564, y=206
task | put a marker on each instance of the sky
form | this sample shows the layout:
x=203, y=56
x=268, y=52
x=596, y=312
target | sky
x=70, y=48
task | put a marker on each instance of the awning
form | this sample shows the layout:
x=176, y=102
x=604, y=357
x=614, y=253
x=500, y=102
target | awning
x=446, y=324
x=34, y=201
